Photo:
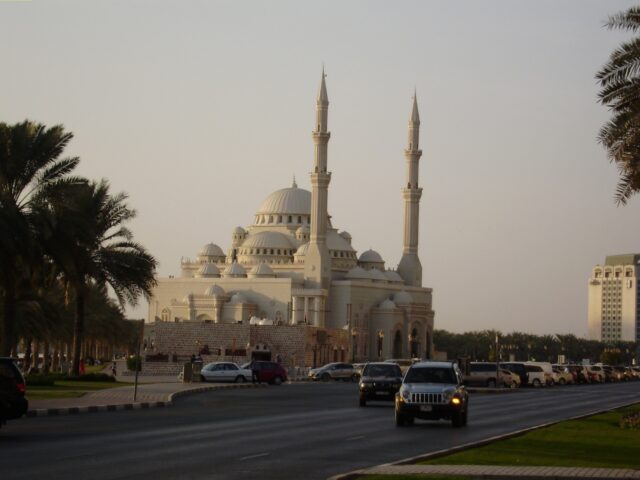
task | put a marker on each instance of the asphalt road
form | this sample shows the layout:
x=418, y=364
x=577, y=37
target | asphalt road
x=309, y=431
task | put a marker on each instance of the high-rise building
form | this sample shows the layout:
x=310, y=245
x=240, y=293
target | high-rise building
x=614, y=298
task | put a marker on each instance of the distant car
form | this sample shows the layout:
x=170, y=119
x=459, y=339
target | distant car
x=379, y=381
x=483, y=374
x=403, y=363
x=535, y=375
x=518, y=368
x=564, y=377
x=268, y=372
x=13, y=402
x=596, y=373
x=510, y=379
x=334, y=371
x=224, y=372
x=432, y=391
x=580, y=373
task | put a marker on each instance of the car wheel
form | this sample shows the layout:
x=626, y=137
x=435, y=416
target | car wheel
x=325, y=377
x=354, y=377
x=240, y=379
x=457, y=419
x=562, y=381
x=536, y=382
x=202, y=378
x=363, y=402
x=491, y=383
x=277, y=381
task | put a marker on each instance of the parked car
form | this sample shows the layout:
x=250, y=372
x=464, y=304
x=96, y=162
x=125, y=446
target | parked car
x=510, y=379
x=224, y=372
x=379, y=381
x=403, y=363
x=596, y=373
x=580, y=373
x=623, y=376
x=564, y=377
x=535, y=375
x=517, y=367
x=610, y=375
x=432, y=391
x=334, y=371
x=483, y=374
x=548, y=372
x=13, y=401
x=268, y=372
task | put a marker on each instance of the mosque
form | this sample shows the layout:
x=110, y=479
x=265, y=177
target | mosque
x=293, y=286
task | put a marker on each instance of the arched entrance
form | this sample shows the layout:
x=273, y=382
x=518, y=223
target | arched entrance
x=428, y=346
x=397, y=345
x=413, y=344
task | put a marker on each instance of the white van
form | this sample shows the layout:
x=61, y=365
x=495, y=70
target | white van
x=548, y=371
x=535, y=375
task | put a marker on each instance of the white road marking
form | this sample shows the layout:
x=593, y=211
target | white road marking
x=255, y=456
x=359, y=437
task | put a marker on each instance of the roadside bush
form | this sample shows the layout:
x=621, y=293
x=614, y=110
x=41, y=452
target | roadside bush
x=42, y=380
x=134, y=362
x=630, y=420
x=92, y=377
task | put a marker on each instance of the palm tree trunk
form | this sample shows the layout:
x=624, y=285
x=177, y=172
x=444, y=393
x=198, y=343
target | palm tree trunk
x=78, y=331
x=8, y=340
x=46, y=364
x=27, y=353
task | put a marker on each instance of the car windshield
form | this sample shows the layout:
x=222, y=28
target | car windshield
x=430, y=375
x=382, y=371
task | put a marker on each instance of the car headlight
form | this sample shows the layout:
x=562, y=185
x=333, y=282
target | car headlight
x=447, y=395
x=404, y=393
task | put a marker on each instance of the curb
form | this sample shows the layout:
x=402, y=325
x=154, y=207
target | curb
x=467, y=446
x=52, y=412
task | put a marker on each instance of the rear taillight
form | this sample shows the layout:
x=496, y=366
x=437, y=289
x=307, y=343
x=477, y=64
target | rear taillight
x=22, y=388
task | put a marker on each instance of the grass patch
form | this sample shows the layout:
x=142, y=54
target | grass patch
x=68, y=389
x=596, y=441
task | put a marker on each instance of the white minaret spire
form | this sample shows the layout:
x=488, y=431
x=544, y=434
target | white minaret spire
x=410, y=268
x=317, y=264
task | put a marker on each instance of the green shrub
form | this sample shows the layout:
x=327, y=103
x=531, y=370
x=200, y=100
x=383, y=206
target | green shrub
x=92, y=377
x=132, y=362
x=42, y=380
x=630, y=420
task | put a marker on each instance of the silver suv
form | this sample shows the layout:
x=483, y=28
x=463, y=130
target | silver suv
x=431, y=391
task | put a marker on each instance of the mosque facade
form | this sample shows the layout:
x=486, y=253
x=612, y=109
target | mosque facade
x=293, y=286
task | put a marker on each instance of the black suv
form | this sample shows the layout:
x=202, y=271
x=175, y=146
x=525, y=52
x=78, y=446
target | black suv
x=379, y=381
x=431, y=391
x=13, y=403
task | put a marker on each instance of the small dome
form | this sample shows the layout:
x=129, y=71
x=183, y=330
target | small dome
x=393, y=276
x=403, y=298
x=262, y=270
x=337, y=242
x=303, y=230
x=211, y=250
x=377, y=275
x=302, y=249
x=254, y=320
x=346, y=235
x=370, y=256
x=239, y=231
x=238, y=298
x=287, y=201
x=235, y=270
x=188, y=298
x=208, y=270
x=357, y=273
x=214, y=291
x=387, y=305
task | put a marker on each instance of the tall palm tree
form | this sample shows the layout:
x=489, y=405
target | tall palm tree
x=92, y=247
x=620, y=91
x=31, y=171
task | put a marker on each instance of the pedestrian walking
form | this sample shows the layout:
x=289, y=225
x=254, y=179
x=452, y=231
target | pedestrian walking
x=255, y=373
x=113, y=369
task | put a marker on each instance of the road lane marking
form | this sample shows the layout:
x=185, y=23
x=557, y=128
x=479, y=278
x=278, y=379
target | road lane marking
x=359, y=437
x=255, y=456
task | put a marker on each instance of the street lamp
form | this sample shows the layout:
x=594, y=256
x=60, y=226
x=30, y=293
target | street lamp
x=380, y=342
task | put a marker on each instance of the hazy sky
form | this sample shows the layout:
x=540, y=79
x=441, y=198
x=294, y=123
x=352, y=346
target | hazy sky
x=200, y=109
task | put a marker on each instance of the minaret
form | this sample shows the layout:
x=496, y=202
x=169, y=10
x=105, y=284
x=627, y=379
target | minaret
x=410, y=268
x=317, y=264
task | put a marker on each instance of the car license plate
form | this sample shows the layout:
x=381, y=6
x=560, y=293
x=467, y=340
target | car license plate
x=382, y=393
x=426, y=408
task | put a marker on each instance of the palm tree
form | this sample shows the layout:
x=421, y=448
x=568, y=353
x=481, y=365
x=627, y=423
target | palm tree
x=31, y=171
x=620, y=91
x=92, y=248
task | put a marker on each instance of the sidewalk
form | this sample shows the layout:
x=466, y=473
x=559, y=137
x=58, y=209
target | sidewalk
x=497, y=472
x=149, y=395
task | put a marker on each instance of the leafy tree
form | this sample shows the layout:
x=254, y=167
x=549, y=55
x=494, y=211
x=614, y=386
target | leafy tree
x=31, y=172
x=620, y=91
x=91, y=246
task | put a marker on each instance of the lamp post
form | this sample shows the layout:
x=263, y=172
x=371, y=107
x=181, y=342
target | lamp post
x=138, y=362
x=353, y=345
x=380, y=343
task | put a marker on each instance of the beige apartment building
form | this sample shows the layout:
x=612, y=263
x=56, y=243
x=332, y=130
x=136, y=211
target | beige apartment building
x=613, y=312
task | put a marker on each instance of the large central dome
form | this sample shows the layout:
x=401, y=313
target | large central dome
x=288, y=201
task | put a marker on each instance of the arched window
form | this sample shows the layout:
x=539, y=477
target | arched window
x=289, y=219
x=299, y=219
x=270, y=218
x=397, y=345
x=165, y=315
